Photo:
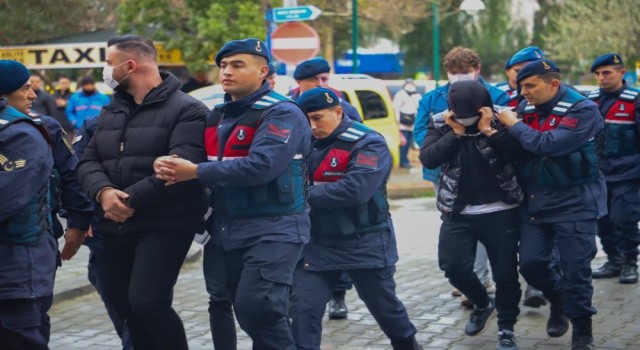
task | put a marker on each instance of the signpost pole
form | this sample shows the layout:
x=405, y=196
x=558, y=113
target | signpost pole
x=354, y=38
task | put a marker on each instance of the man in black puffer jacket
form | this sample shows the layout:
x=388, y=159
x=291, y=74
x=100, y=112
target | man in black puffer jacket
x=148, y=227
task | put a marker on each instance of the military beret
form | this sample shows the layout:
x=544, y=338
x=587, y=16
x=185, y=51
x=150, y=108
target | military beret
x=318, y=99
x=531, y=53
x=536, y=68
x=311, y=68
x=251, y=46
x=13, y=75
x=609, y=59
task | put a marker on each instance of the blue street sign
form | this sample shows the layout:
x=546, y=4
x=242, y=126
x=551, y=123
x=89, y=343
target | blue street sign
x=299, y=13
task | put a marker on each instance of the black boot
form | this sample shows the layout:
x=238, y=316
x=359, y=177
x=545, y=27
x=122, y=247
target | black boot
x=557, y=324
x=337, y=308
x=611, y=268
x=582, y=335
x=533, y=297
x=629, y=270
x=411, y=344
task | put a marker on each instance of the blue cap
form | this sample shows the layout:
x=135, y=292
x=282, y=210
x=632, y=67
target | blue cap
x=311, y=68
x=528, y=54
x=609, y=59
x=536, y=68
x=251, y=46
x=13, y=75
x=317, y=99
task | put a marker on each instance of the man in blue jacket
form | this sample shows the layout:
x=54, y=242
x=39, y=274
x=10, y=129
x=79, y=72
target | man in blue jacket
x=620, y=162
x=257, y=144
x=27, y=247
x=85, y=103
x=460, y=64
x=351, y=227
x=564, y=193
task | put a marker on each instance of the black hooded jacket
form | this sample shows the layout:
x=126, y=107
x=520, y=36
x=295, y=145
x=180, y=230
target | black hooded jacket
x=128, y=138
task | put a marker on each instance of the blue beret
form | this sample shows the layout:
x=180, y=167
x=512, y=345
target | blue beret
x=13, y=75
x=609, y=59
x=251, y=46
x=317, y=99
x=528, y=54
x=311, y=68
x=536, y=68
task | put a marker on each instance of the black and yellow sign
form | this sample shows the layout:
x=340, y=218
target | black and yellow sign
x=81, y=55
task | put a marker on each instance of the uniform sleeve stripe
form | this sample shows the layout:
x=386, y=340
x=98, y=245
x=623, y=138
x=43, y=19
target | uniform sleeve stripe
x=564, y=104
x=624, y=95
x=263, y=103
x=608, y=121
x=355, y=131
x=560, y=109
x=630, y=92
x=350, y=136
x=269, y=98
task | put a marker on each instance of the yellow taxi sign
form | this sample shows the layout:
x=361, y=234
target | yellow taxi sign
x=81, y=55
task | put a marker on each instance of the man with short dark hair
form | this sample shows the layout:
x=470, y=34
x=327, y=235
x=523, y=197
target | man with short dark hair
x=147, y=227
x=553, y=141
x=619, y=154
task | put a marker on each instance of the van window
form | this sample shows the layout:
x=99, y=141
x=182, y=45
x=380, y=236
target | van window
x=373, y=106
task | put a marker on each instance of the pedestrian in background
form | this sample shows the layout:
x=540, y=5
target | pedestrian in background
x=257, y=144
x=44, y=103
x=147, y=227
x=552, y=136
x=85, y=103
x=27, y=247
x=62, y=95
x=478, y=198
x=405, y=103
x=619, y=154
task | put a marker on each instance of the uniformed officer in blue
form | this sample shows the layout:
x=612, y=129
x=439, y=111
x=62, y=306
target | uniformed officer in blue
x=564, y=193
x=27, y=247
x=257, y=144
x=619, y=153
x=512, y=67
x=314, y=73
x=351, y=228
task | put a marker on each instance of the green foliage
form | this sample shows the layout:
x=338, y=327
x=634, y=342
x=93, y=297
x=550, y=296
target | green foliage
x=198, y=28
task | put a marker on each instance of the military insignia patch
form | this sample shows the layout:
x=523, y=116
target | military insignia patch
x=10, y=165
x=279, y=131
x=367, y=160
x=258, y=47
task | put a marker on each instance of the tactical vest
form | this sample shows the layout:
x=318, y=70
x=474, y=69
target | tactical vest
x=514, y=100
x=284, y=195
x=620, y=135
x=577, y=167
x=25, y=226
x=344, y=221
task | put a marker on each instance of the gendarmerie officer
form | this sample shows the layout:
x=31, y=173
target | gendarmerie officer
x=619, y=153
x=27, y=248
x=350, y=225
x=564, y=193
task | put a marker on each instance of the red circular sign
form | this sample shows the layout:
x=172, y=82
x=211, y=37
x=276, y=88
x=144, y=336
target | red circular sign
x=294, y=42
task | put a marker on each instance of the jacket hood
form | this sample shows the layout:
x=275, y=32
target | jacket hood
x=467, y=97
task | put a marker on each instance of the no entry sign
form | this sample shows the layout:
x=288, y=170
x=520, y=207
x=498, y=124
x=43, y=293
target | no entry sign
x=294, y=42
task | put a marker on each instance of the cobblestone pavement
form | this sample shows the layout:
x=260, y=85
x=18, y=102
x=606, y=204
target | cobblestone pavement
x=81, y=323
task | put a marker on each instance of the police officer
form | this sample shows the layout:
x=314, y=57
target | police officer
x=257, y=143
x=315, y=73
x=350, y=225
x=27, y=247
x=620, y=163
x=512, y=67
x=554, y=141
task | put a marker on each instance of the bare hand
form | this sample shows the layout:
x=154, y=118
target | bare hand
x=115, y=206
x=174, y=169
x=507, y=118
x=458, y=129
x=72, y=241
x=486, y=116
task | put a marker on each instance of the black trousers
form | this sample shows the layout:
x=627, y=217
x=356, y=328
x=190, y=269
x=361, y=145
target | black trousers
x=499, y=232
x=140, y=271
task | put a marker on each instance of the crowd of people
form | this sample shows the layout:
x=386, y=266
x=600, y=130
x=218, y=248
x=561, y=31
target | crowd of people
x=288, y=196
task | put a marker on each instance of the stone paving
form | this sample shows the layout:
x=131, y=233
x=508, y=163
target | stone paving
x=82, y=323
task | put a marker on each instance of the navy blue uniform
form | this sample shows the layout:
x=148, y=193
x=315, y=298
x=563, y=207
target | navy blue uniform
x=564, y=212
x=260, y=250
x=368, y=257
x=618, y=231
x=27, y=271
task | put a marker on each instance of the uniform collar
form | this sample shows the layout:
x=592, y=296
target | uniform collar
x=614, y=93
x=545, y=108
x=344, y=125
x=244, y=103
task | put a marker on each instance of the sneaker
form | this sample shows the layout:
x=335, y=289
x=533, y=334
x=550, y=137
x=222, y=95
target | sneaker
x=582, y=342
x=506, y=340
x=479, y=317
x=337, y=309
x=533, y=297
x=557, y=325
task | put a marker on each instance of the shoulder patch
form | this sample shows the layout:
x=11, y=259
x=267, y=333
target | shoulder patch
x=594, y=94
x=629, y=95
x=367, y=160
x=569, y=122
x=270, y=99
x=9, y=165
x=354, y=133
x=279, y=130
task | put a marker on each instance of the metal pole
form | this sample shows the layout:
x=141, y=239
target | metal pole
x=269, y=19
x=354, y=39
x=436, y=43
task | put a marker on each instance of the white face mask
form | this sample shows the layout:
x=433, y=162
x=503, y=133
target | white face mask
x=454, y=78
x=468, y=121
x=410, y=88
x=107, y=76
